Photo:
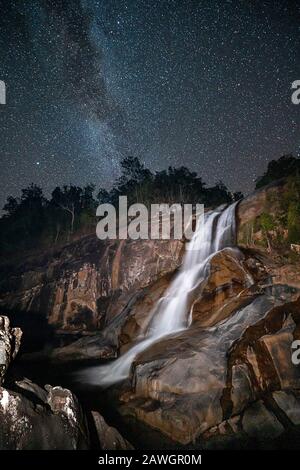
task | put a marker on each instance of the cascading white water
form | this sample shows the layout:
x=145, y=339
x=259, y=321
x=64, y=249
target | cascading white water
x=215, y=230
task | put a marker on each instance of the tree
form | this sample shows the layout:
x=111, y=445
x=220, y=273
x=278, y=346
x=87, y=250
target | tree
x=68, y=199
x=11, y=206
x=133, y=169
x=25, y=218
x=237, y=196
x=104, y=196
x=218, y=195
x=283, y=167
x=31, y=220
x=267, y=225
x=293, y=222
x=87, y=198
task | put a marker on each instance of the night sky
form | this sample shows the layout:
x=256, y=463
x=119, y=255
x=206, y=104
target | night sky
x=206, y=84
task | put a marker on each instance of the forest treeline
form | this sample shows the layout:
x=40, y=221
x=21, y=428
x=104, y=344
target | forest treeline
x=35, y=221
x=285, y=166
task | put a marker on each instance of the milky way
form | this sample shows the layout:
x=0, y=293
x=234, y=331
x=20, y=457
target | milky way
x=206, y=84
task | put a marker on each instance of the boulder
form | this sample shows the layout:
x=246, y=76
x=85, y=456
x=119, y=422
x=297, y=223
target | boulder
x=229, y=285
x=10, y=340
x=44, y=418
x=109, y=437
x=191, y=385
x=47, y=418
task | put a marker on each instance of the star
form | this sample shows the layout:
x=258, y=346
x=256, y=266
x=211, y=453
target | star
x=200, y=84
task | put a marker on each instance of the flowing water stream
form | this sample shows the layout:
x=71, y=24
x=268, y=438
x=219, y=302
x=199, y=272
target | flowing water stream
x=215, y=230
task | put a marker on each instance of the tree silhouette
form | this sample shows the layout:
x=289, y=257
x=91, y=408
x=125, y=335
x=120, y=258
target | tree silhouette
x=283, y=167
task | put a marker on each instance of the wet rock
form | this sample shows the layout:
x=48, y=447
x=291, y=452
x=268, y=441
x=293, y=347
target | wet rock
x=286, y=274
x=289, y=403
x=35, y=418
x=228, y=286
x=32, y=417
x=10, y=340
x=260, y=423
x=255, y=428
x=120, y=332
x=45, y=418
x=109, y=437
x=193, y=385
x=190, y=383
x=82, y=286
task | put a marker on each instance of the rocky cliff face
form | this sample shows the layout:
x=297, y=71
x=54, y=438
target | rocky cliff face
x=256, y=203
x=82, y=286
x=229, y=379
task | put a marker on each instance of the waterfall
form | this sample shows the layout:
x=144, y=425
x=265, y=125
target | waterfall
x=215, y=230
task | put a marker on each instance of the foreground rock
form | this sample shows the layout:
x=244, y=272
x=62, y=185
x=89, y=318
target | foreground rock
x=45, y=418
x=109, y=437
x=32, y=417
x=10, y=340
x=41, y=418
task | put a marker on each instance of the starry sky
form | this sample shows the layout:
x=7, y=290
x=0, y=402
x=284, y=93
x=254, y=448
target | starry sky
x=200, y=83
